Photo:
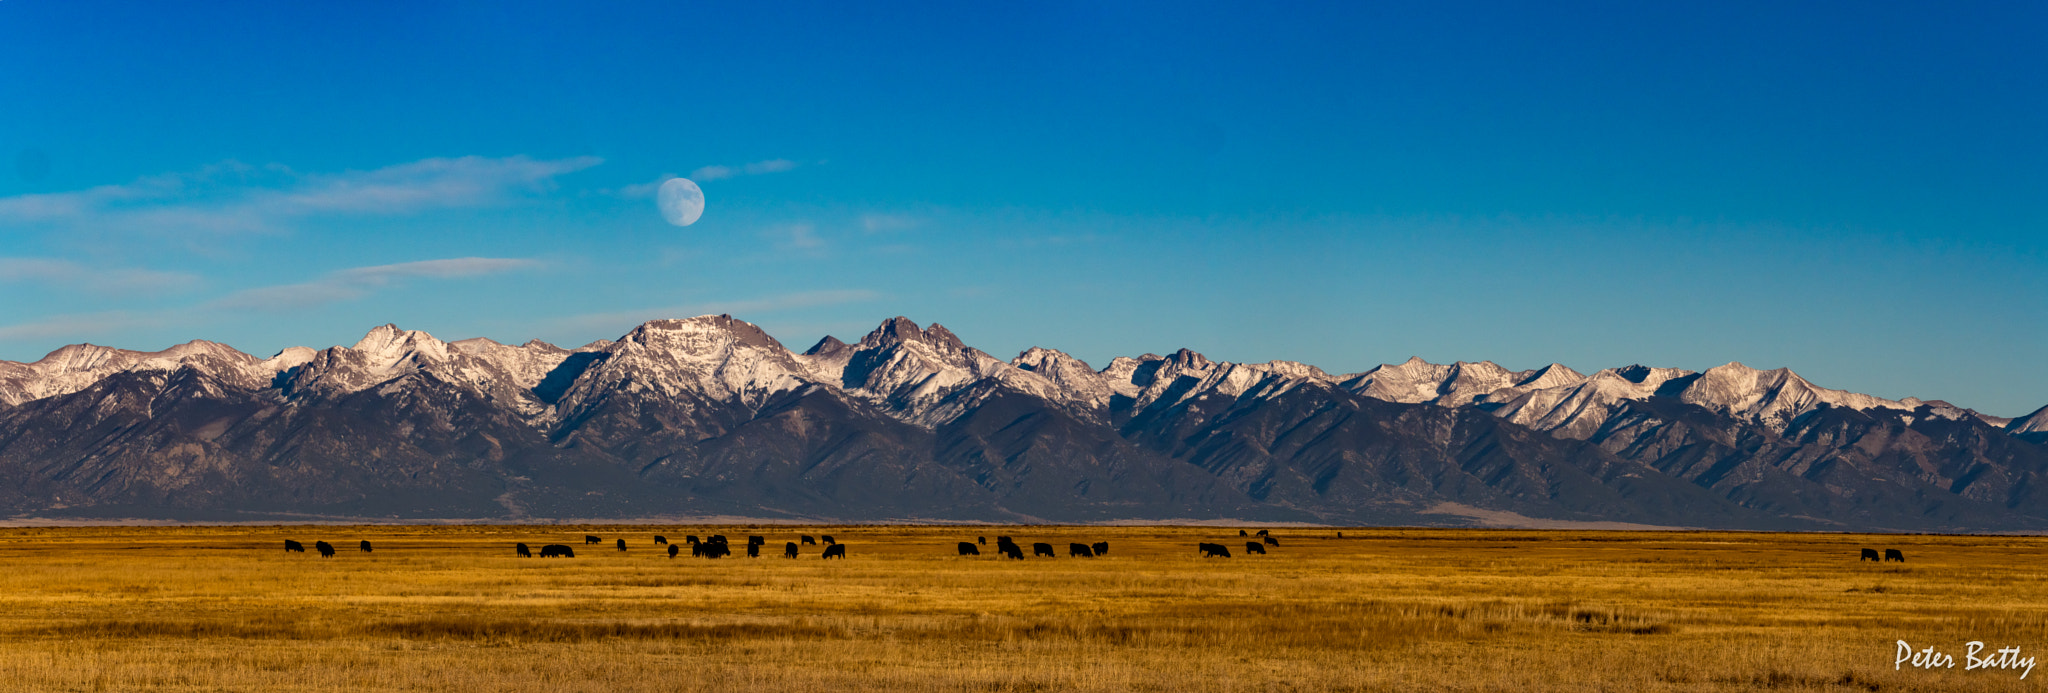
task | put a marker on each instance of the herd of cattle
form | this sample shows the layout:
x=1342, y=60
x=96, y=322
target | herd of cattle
x=715, y=546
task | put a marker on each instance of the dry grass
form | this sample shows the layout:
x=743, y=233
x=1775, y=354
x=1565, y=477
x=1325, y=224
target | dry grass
x=451, y=609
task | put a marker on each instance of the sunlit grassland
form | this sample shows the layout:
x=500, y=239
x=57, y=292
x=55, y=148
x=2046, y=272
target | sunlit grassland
x=450, y=608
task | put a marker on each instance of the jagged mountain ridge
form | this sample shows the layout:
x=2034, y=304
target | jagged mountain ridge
x=712, y=415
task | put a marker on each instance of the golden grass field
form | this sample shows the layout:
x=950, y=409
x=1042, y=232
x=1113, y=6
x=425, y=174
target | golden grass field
x=450, y=608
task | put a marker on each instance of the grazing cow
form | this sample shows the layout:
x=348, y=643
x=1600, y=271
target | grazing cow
x=711, y=549
x=692, y=539
x=522, y=550
x=1215, y=550
x=673, y=550
x=622, y=544
x=1272, y=542
x=327, y=550
x=1869, y=555
x=557, y=551
x=1894, y=555
x=1262, y=532
x=659, y=539
x=836, y=550
x=1252, y=547
x=967, y=548
x=365, y=546
x=757, y=541
x=1101, y=548
x=1042, y=549
x=981, y=540
x=809, y=540
x=1242, y=533
x=1010, y=551
x=789, y=549
x=1080, y=550
x=588, y=540
x=753, y=550
x=828, y=539
x=290, y=545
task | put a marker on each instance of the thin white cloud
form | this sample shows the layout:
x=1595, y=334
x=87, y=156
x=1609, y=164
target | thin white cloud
x=801, y=238
x=75, y=326
x=100, y=280
x=358, y=282
x=234, y=198
x=705, y=174
x=711, y=173
x=882, y=223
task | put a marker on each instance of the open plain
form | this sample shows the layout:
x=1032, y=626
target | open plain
x=451, y=608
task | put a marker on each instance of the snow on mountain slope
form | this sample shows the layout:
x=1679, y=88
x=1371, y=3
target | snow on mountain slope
x=76, y=367
x=1774, y=397
x=712, y=357
x=1578, y=409
x=1416, y=381
x=2033, y=425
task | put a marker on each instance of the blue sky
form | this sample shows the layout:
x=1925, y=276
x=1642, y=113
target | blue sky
x=1858, y=191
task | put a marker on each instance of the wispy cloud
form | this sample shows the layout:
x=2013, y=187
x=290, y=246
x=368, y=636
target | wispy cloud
x=742, y=308
x=357, y=282
x=706, y=174
x=882, y=223
x=77, y=326
x=799, y=238
x=99, y=280
x=711, y=173
x=232, y=198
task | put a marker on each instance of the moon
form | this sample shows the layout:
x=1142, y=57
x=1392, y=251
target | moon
x=681, y=201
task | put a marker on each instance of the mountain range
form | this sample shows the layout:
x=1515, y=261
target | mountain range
x=711, y=416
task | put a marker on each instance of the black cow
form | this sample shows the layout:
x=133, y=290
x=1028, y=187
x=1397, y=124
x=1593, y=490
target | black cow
x=1042, y=549
x=327, y=550
x=1216, y=550
x=710, y=549
x=1869, y=555
x=1243, y=533
x=1101, y=548
x=622, y=544
x=1894, y=555
x=716, y=539
x=365, y=546
x=557, y=551
x=981, y=540
x=1262, y=532
x=659, y=539
x=1010, y=551
x=1272, y=542
x=673, y=550
x=967, y=548
x=522, y=550
x=808, y=539
x=290, y=545
x=789, y=550
x=692, y=539
x=588, y=540
x=828, y=539
x=1080, y=550
x=1003, y=540
x=1252, y=547
x=757, y=541
x=753, y=550
x=1340, y=535
x=836, y=550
